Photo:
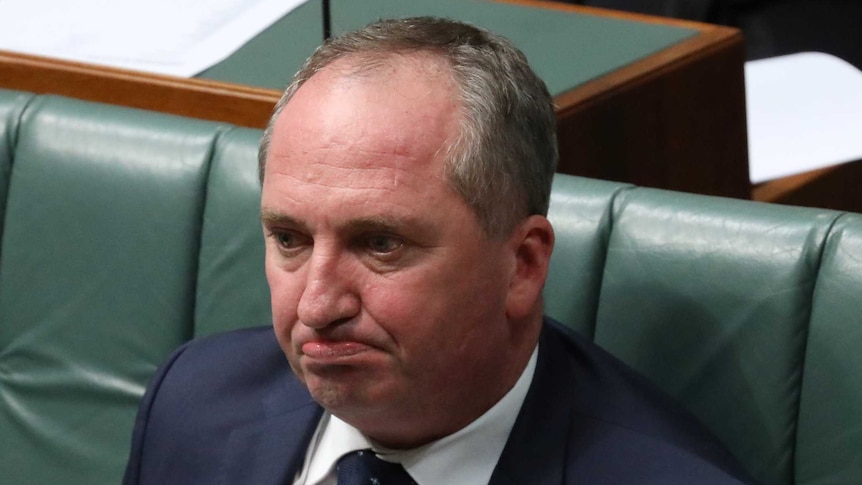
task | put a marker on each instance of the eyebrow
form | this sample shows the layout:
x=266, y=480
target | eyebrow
x=271, y=217
x=375, y=223
x=366, y=224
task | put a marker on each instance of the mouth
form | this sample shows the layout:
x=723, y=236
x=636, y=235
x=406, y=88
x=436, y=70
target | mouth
x=333, y=351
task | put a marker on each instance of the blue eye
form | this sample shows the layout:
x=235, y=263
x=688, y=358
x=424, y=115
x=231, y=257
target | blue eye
x=383, y=244
x=285, y=240
x=288, y=240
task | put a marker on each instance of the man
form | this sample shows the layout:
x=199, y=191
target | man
x=405, y=180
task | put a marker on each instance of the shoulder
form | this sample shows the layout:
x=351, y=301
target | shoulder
x=206, y=390
x=234, y=352
x=222, y=373
x=618, y=416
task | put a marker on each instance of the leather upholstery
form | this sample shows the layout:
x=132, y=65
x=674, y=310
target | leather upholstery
x=232, y=289
x=126, y=233
x=830, y=429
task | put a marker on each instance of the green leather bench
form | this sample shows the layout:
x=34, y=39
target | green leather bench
x=125, y=233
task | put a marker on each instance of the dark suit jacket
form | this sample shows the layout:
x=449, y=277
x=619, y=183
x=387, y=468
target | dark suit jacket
x=227, y=409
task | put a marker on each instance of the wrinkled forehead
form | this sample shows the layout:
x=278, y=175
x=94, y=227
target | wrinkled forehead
x=405, y=106
x=403, y=114
x=413, y=78
x=426, y=65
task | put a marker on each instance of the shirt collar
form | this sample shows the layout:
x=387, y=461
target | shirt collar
x=333, y=439
x=466, y=457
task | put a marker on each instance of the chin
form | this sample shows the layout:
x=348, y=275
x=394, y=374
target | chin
x=336, y=393
x=331, y=398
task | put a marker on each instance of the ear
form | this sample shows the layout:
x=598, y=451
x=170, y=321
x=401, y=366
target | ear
x=532, y=242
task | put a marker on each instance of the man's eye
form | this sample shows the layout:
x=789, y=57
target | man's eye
x=288, y=240
x=285, y=240
x=382, y=244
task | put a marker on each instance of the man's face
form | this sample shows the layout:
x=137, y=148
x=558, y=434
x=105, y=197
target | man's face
x=388, y=298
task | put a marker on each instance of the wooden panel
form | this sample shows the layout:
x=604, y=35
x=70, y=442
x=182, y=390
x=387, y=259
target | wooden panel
x=673, y=120
x=835, y=187
x=212, y=100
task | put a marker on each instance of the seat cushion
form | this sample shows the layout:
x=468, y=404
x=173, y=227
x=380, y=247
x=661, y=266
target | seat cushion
x=97, y=281
x=829, y=440
x=711, y=299
x=232, y=291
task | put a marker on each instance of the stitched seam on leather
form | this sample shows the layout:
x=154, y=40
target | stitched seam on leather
x=220, y=132
x=804, y=350
x=13, y=150
x=611, y=212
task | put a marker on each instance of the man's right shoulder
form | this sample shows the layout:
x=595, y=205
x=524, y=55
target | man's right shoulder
x=209, y=389
x=244, y=344
x=237, y=365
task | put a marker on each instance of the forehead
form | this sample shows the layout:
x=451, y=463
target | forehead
x=379, y=129
x=404, y=108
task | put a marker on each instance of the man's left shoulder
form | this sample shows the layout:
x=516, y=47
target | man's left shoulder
x=618, y=416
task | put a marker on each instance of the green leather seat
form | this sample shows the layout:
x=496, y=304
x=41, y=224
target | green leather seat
x=125, y=233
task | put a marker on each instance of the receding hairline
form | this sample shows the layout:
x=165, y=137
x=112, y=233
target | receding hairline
x=507, y=110
x=371, y=60
x=376, y=66
x=376, y=61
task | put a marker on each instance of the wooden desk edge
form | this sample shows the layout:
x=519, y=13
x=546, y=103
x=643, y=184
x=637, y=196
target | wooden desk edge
x=707, y=68
x=599, y=88
x=206, y=99
x=781, y=188
x=709, y=40
x=251, y=106
x=616, y=14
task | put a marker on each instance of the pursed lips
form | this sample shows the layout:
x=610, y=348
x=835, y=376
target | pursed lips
x=333, y=349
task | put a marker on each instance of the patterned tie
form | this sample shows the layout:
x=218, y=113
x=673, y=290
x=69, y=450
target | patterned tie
x=364, y=468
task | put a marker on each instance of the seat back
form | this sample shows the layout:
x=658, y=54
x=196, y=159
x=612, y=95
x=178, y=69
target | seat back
x=125, y=233
x=107, y=258
x=747, y=313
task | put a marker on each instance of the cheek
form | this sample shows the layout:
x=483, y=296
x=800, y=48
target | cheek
x=285, y=290
x=437, y=304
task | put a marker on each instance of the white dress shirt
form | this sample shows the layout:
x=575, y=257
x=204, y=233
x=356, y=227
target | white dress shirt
x=466, y=457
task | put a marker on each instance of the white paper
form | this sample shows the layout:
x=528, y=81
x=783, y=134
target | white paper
x=804, y=113
x=174, y=37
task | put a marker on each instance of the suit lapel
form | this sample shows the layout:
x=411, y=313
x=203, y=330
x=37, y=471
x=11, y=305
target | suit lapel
x=271, y=450
x=536, y=449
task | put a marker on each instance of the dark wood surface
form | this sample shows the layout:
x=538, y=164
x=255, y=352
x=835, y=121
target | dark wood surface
x=673, y=120
x=835, y=187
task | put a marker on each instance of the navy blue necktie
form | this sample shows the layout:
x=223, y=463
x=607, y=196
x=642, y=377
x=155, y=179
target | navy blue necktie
x=364, y=468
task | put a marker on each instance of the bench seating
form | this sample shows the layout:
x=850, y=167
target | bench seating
x=125, y=233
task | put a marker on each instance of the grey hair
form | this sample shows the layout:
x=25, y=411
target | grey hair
x=504, y=158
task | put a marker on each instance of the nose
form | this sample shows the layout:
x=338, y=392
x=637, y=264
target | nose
x=329, y=297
